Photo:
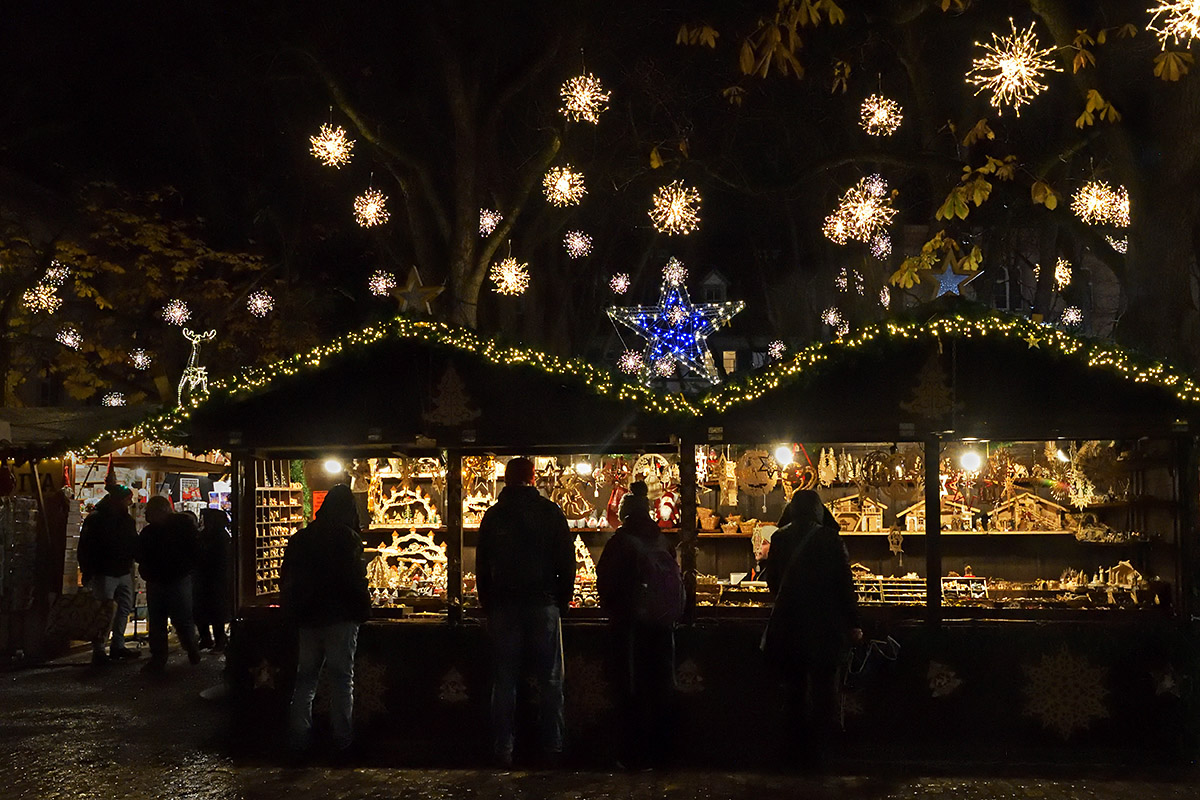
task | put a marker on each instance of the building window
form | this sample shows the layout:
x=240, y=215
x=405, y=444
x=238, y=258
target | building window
x=714, y=293
x=729, y=359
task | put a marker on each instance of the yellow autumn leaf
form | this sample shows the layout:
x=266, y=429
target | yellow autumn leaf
x=1171, y=65
x=834, y=12
x=1042, y=194
x=1128, y=30
x=655, y=159
x=746, y=58
x=1083, y=58
x=907, y=275
x=981, y=188
x=980, y=131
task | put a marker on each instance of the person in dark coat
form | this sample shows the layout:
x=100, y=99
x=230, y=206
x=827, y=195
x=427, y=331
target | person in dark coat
x=814, y=621
x=166, y=556
x=107, y=542
x=643, y=653
x=323, y=586
x=525, y=576
x=210, y=582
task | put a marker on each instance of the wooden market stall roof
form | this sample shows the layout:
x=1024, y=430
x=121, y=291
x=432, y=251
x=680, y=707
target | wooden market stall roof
x=47, y=432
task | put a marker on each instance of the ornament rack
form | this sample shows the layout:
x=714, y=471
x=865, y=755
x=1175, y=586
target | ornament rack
x=278, y=513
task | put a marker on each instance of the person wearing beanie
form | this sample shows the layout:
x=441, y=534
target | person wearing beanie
x=107, y=542
x=525, y=576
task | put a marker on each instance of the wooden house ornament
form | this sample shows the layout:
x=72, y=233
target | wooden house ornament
x=858, y=514
x=955, y=516
x=1028, y=512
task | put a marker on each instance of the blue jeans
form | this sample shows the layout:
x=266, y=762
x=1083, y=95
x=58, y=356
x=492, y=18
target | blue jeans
x=120, y=588
x=169, y=599
x=333, y=646
x=526, y=635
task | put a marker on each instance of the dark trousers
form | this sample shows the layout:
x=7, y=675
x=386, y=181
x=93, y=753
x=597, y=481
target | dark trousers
x=173, y=600
x=812, y=712
x=644, y=677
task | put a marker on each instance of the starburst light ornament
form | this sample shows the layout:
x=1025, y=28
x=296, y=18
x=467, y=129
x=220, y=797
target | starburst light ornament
x=260, y=303
x=620, y=283
x=113, y=399
x=577, y=243
x=176, y=312
x=1012, y=67
x=664, y=367
x=140, y=359
x=1175, y=22
x=370, y=208
x=885, y=297
x=510, y=276
x=41, y=298
x=1072, y=316
x=832, y=317
x=56, y=274
x=775, y=349
x=564, y=186
x=1062, y=274
x=880, y=116
x=674, y=273
x=381, y=282
x=331, y=146
x=69, y=336
x=1120, y=245
x=881, y=246
x=679, y=337
x=488, y=220
x=1097, y=203
x=584, y=99
x=630, y=361
x=676, y=209
x=863, y=212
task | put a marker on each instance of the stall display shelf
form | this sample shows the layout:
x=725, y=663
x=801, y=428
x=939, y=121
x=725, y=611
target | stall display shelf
x=278, y=513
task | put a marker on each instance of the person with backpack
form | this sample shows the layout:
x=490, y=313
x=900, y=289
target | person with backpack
x=641, y=588
x=813, y=624
x=525, y=576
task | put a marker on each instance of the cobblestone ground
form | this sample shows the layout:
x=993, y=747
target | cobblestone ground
x=66, y=732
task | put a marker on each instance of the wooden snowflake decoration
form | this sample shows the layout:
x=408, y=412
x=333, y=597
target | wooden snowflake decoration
x=370, y=208
x=1072, y=316
x=41, y=298
x=260, y=303
x=676, y=209
x=488, y=220
x=69, y=336
x=1012, y=67
x=564, y=186
x=113, y=399
x=1175, y=23
x=577, y=243
x=620, y=283
x=674, y=272
x=510, y=276
x=331, y=146
x=1062, y=274
x=584, y=99
x=880, y=116
x=176, y=312
x=775, y=349
x=140, y=359
x=1065, y=692
x=381, y=283
x=630, y=361
x=1098, y=203
x=863, y=212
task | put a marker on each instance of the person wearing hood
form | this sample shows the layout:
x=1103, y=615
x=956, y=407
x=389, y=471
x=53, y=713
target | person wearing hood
x=641, y=588
x=814, y=621
x=323, y=586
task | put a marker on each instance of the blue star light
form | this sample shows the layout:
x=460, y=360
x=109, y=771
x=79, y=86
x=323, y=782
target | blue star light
x=950, y=281
x=676, y=329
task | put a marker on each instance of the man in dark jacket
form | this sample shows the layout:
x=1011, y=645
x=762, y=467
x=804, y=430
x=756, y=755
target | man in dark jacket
x=814, y=621
x=166, y=557
x=525, y=575
x=107, y=542
x=323, y=584
x=210, y=585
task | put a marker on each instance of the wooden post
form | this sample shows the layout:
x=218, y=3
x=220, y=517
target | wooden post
x=454, y=535
x=687, y=520
x=933, y=530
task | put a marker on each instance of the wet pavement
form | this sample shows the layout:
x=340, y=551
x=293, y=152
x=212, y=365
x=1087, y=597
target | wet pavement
x=67, y=731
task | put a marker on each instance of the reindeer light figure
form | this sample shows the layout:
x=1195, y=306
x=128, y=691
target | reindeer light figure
x=195, y=377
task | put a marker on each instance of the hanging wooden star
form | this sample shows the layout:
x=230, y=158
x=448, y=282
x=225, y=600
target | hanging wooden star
x=676, y=329
x=1033, y=341
x=414, y=296
x=951, y=281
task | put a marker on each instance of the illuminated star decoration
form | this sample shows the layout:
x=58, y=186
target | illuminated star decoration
x=113, y=399
x=1097, y=203
x=577, y=243
x=176, y=312
x=140, y=359
x=584, y=99
x=630, y=361
x=331, y=146
x=370, y=208
x=1072, y=316
x=260, y=303
x=880, y=116
x=1033, y=341
x=683, y=342
x=881, y=246
x=488, y=220
x=414, y=296
x=69, y=336
x=564, y=186
x=510, y=276
x=620, y=283
x=42, y=297
x=951, y=281
x=775, y=349
x=381, y=283
x=863, y=212
x=1176, y=23
x=676, y=209
x=1012, y=68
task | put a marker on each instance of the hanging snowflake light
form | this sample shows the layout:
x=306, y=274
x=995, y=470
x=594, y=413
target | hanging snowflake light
x=831, y=316
x=1012, y=67
x=260, y=303
x=510, y=276
x=619, y=283
x=842, y=329
x=676, y=209
x=664, y=367
x=577, y=243
x=1119, y=213
x=1062, y=274
x=1175, y=23
x=370, y=208
x=1072, y=316
x=331, y=146
x=381, y=282
x=881, y=246
x=488, y=220
x=863, y=212
x=584, y=99
x=41, y=298
x=140, y=359
x=69, y=336
x=564, y=186
x=113, y=399
x=885, y=297
x=56, y=274
x=1097, y=203
x=775, y=349
x=1120, y=245
x=880, y=116
x=842, y=281
x=176, y=312
x=674, y=272
x=676, y=315
x=630, y=361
